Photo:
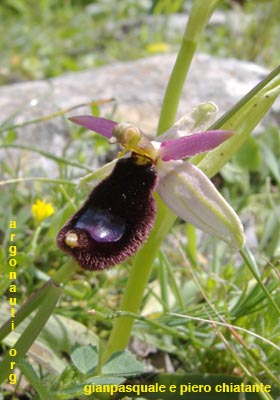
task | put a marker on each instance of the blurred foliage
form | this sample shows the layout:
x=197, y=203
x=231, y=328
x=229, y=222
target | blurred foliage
x=250, y=33
x=46, y=38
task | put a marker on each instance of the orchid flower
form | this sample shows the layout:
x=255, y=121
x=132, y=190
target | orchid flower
x=120, y=211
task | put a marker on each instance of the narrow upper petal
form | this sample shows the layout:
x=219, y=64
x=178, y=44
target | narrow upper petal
x=188, y=192
x=100, y=125
x=191, y=145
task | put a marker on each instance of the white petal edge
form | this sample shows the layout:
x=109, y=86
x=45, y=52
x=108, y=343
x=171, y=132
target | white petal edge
x=197, y=120
x=190, y=194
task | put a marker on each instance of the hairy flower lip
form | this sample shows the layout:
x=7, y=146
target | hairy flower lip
x=116, y=218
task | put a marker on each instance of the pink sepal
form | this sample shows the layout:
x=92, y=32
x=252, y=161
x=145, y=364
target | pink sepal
x=100, y=125
x=191, y=145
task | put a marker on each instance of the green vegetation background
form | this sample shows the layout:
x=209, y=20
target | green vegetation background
x=41, y=39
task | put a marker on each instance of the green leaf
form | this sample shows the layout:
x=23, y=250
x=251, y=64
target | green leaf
x=123, y=363
x=59, y=335
x=248, y=157
x=271, y=232
x=271, y=161
x=85, y=358
x=241, y=119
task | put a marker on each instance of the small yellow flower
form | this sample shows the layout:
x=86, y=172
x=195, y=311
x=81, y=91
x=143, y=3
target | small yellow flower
x=157, y=47
x=41, y=210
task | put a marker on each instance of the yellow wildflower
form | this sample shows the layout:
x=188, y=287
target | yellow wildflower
x=157, y=47
x=41, y=210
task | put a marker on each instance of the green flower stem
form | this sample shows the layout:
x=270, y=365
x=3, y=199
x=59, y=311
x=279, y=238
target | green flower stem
x=144, y=260
x=200, y=14
x=29, y=335
x=35, y=239
x=138, y=281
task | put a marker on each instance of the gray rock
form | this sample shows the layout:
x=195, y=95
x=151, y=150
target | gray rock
x=138, y=88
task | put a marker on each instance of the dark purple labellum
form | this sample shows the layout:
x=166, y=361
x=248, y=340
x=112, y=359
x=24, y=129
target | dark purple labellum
x=115, y=219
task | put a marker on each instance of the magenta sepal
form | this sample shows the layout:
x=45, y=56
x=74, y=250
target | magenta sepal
x=100, y=125
x=190, y=145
